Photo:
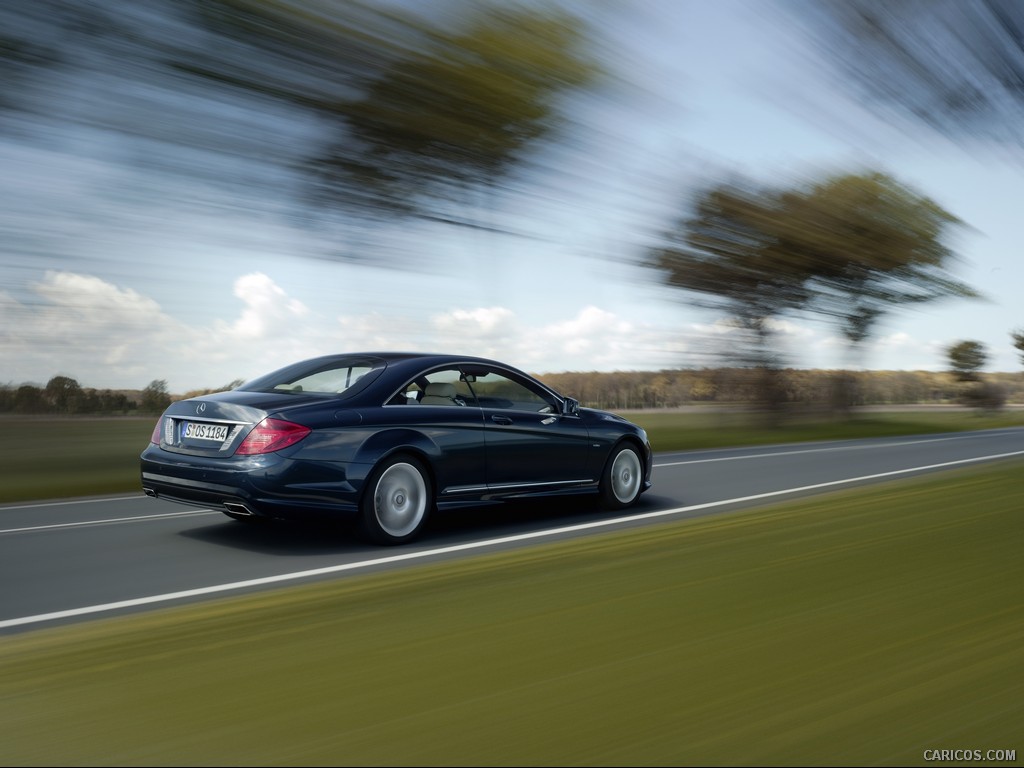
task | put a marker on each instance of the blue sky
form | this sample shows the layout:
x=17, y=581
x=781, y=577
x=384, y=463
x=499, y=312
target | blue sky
x=199, y=287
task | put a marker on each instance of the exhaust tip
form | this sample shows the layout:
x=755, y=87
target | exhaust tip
x=237, y=508
x=149, y=492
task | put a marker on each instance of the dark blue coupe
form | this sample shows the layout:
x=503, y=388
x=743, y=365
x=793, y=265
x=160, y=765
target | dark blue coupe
x=383, y=438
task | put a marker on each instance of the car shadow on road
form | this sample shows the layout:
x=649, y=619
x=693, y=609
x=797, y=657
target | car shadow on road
x=279, y=537
x=445, y=527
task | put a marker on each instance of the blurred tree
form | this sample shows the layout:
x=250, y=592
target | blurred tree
x=349, y=107
x=1018, y=342
x=966, y=358
x=849, y=247
x=29, y=399
x=728, y=255
x=112, y=402
x=954, y=65
x=63, y=394
x=155, y=397
x=870, y=244
x=447, y=121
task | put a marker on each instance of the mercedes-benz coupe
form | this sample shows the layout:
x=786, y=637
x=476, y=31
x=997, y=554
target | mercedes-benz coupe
x=384, y=438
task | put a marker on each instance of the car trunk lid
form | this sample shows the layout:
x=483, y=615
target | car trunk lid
x=213, y=425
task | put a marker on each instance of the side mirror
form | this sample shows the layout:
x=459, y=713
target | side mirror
x=570, y=407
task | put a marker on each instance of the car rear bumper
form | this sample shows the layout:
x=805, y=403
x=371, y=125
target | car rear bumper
x=264, y=486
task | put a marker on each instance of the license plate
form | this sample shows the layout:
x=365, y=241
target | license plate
x=196, y=431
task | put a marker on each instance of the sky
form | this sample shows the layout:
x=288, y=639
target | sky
x=146, y=278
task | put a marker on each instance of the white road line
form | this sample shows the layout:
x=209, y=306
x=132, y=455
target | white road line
x=71, y=501
x=391, y=559
x=135, y=519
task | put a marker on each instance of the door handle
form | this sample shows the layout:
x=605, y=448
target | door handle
x=501, y=419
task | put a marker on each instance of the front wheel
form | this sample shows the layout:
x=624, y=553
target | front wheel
x=397, y=501
x=623, y=478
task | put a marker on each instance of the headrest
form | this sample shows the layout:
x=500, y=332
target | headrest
x=440, y=389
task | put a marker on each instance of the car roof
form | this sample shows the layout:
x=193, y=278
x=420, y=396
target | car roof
x=398, y=368
x=404, y=363
x=419, y=357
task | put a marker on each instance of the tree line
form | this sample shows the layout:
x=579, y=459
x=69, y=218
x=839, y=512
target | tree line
x=616, y=391
x=797, y=388
x=64, y=396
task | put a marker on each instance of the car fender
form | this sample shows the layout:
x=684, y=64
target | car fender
x=446, y=462
x=398, y=440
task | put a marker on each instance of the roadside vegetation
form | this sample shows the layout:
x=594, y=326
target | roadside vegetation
x=799, y=391
x=675, y=431
x=859, y=628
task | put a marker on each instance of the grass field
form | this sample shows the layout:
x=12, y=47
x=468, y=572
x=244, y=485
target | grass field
x=57, y=458
x=859, y=628
x=673, y=430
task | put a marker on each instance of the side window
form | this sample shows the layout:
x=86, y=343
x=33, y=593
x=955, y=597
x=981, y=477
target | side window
x=444, y=387
x=329, y=380
x=495, y=390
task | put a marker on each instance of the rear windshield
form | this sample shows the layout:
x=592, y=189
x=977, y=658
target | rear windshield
x=331, y=376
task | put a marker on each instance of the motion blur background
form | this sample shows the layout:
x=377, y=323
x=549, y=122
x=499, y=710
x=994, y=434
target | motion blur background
x=198, y=191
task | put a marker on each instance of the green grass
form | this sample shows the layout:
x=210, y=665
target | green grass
x=859, y=628
x=674, y=431
x=57, y=458
x=47, y=458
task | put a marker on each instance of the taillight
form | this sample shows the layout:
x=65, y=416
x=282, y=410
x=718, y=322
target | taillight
x=271, y=435
x=157, y=431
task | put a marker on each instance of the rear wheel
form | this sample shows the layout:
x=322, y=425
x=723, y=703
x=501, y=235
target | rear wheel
x=397, y=501
x=623, y=477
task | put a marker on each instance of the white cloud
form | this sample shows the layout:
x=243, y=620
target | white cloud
x=904, y=351
x=791, y=330
x=78, y=325
x=106, y=335
x=266, y=305
x=482, y=322
x=898, y=340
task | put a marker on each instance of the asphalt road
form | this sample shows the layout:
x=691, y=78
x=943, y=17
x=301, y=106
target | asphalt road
x=74, y=560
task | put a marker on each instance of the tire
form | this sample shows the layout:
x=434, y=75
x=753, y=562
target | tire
x=397, y=501
x=622, y=481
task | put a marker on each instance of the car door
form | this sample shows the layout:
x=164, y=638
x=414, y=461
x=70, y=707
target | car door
x=433, y=404
x=529, y=442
